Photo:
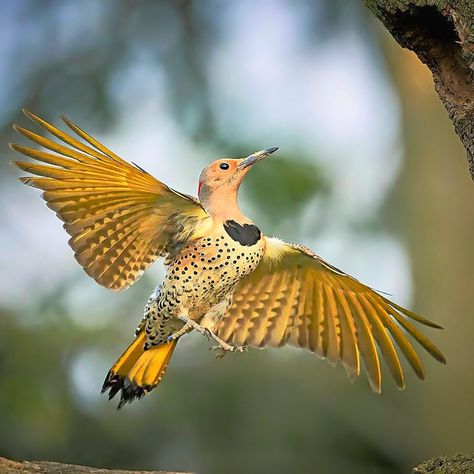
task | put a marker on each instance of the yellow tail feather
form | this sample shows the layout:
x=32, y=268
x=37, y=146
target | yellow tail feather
x=137, y=371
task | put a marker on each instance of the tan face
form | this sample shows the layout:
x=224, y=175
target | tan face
x=226, y=172
x=219, y=182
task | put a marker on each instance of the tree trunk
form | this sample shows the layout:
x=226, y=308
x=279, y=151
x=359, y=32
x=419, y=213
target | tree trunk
x=42, y=467
x=441, y=33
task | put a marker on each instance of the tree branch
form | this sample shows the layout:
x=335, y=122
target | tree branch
x=41, y=467
x=441, y=33
x=459, y=464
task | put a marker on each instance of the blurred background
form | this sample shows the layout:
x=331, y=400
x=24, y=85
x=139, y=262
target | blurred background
x=369, y=174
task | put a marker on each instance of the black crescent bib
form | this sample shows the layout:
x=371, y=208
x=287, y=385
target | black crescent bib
x=246, y=234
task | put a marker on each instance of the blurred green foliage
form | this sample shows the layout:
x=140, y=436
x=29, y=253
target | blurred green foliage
x=277, y=196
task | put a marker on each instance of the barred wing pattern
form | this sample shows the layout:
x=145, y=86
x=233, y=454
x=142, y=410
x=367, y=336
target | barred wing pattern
x=119, y=217
x=294, y=297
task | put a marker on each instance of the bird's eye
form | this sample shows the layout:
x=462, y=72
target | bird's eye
x=224, y=166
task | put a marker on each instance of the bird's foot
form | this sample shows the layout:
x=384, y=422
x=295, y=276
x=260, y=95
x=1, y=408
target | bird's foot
x=222, y=349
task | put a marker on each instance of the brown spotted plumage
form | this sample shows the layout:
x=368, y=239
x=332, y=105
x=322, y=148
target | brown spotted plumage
x=224, y=278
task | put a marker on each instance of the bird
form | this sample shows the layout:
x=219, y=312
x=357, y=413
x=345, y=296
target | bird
x=224, y=278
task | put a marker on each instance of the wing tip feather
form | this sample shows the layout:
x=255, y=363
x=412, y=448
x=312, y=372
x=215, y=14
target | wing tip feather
x=440, y=357
x=376, y=386
x=24, y=131
x=30, y=115
x=23, y=165
x=352, y=373
x=66, y=120
x=421, y=375
x=28, y=181
x=412, y=315
x=14, y=163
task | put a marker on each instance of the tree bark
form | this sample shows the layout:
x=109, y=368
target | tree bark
x=441, y=33
x=458, y=464
x=41, y=467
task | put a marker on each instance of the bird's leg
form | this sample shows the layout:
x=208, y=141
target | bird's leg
x=187, y=327
x=222, y=346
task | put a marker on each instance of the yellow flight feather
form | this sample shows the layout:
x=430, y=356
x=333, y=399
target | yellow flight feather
x=294, y=296
x=120, y=218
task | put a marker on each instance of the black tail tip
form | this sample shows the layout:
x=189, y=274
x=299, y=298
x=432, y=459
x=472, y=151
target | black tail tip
x=129, y=391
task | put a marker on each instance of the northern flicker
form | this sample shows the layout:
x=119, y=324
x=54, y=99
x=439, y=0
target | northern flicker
x=224, y=278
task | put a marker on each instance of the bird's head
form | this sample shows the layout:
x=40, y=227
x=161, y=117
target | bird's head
x=219, y=182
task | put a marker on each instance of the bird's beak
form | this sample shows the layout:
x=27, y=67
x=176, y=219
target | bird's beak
x=257, y=156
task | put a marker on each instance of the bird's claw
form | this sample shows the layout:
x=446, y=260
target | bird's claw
x=239, y=349
x=223, y=349
x=220, y=352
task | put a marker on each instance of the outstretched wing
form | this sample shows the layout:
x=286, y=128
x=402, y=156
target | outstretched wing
x=295, y=297
x=119, y=217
